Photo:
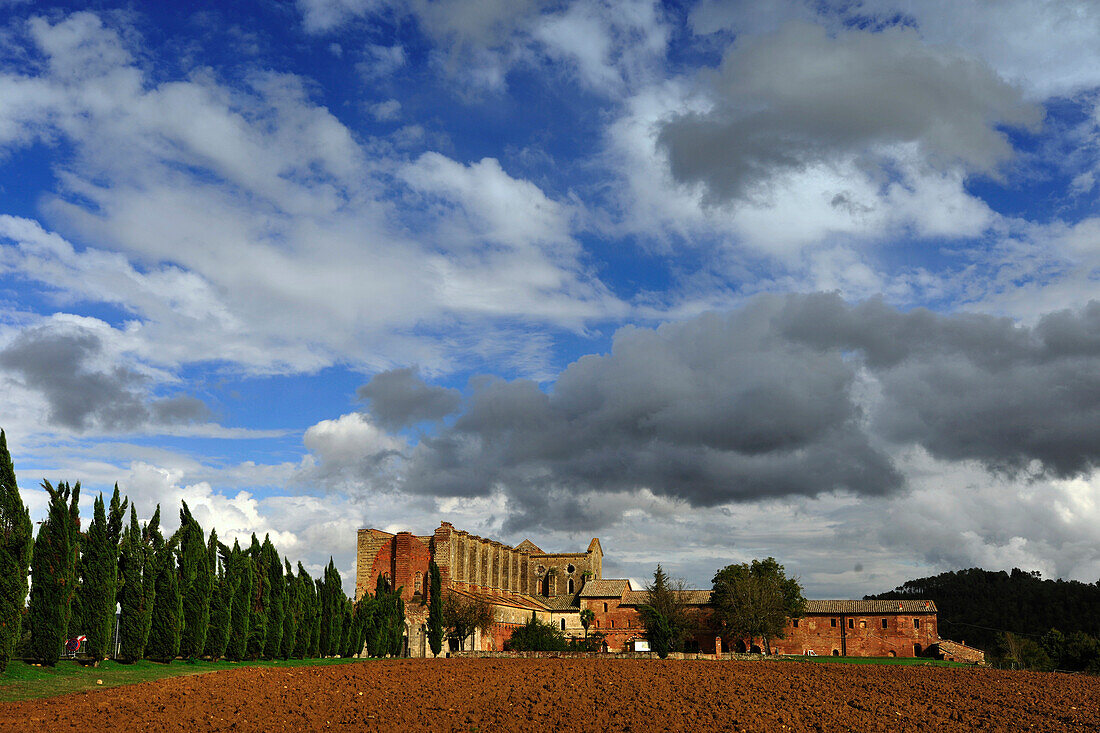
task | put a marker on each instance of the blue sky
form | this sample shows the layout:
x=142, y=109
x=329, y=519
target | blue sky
x=711, y=281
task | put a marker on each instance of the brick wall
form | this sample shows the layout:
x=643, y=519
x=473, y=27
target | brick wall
x=860, y=636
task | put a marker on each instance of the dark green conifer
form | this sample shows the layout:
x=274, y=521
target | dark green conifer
x=52, y=577
x=273, y=571
x=196, y=585
x=217, y=639
x=151, y=542
x=167, y=622
x=99, y=565
x=131, y=593
x=435, y=609
x=238, y=572
x=315, y=630
x=260, y=602
x=16, y=544
x=292, y=610
x=303, y=641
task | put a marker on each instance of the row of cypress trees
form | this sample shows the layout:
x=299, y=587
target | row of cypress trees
x=187, y=595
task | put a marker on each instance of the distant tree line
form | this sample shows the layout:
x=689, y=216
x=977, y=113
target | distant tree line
x=1017, y=618
x=185, y=596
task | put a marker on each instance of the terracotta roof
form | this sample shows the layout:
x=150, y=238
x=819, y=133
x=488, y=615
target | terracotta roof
x=605, y=588
x=689, y=597
x=529, y=547
x=567, y=602
x=870, y=608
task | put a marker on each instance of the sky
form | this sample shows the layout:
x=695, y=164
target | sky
x=710, y=281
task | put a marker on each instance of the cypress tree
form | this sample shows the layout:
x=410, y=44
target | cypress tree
x=221, y=596
x=51, y=573
x=151, y=542
x=315, y=628
x=217, y=639
x=238, y=574
x=347, y=634
x=131, y=593
x=196, y=585
x=292, y=610
x=435, y=609
x=16, y=544
x=116, y=517
x=167, y=623
x=331, y=611
x=276, y=598
x=75, y=537
x=259, y=604
x=99, y=565
x=305, y=620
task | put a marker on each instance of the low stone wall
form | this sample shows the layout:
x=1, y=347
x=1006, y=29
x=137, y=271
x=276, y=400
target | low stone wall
x=601, y=655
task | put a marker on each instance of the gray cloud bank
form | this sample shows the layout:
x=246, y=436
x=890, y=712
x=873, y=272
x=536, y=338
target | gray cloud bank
x=800, y=97
x=82, y=389
x=795, y=395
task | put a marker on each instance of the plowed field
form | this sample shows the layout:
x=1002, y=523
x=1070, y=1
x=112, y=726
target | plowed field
x=579, y=695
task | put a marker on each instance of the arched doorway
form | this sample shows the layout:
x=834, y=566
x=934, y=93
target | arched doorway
x=917, y=650
x=891, y=653
x=836, y=652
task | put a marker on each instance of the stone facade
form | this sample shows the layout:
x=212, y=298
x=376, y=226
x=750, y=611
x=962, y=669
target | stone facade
x=555, y=587
x=517, y=581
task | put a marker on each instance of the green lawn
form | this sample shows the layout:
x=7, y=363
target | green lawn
x=875, y=660
x=22, y=681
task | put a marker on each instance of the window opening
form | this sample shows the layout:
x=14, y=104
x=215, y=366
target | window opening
x=885, y=624
x=851, y=623
x=916, y=623
x=832, y=622
x=570, y=585
x=563, y=624
x=794, y=622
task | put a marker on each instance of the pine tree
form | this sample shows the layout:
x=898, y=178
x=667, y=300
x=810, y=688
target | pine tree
x=273, y=568
x=16, y=544
x=131, y=593
x=167, y=622
x=292, y=611
x=260, y=603
x=52, y=576
x=97, y=591
x=435, y=609
x=238, y=573
x=196, y=585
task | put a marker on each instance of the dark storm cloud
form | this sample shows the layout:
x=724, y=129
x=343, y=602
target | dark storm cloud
x=763, y=402
x=711, y=410
x=971, y=386
x=58, y=363
x=800, y=97
x=400, y=398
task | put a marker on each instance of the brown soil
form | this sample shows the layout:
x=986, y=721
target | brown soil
x=576, y=695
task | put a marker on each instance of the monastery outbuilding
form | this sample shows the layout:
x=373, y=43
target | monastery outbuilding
x=555, y=587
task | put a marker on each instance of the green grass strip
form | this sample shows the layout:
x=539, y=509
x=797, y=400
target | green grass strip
x=23, y=681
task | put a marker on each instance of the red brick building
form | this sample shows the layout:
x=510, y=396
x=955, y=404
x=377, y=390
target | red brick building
x=555, y=587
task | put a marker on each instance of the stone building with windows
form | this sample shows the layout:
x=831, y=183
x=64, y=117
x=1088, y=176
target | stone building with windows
x=522, y=581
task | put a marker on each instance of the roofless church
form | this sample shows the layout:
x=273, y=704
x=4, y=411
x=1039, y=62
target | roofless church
x=524, y=580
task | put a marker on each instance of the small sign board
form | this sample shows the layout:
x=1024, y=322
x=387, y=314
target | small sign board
x=641, y=645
